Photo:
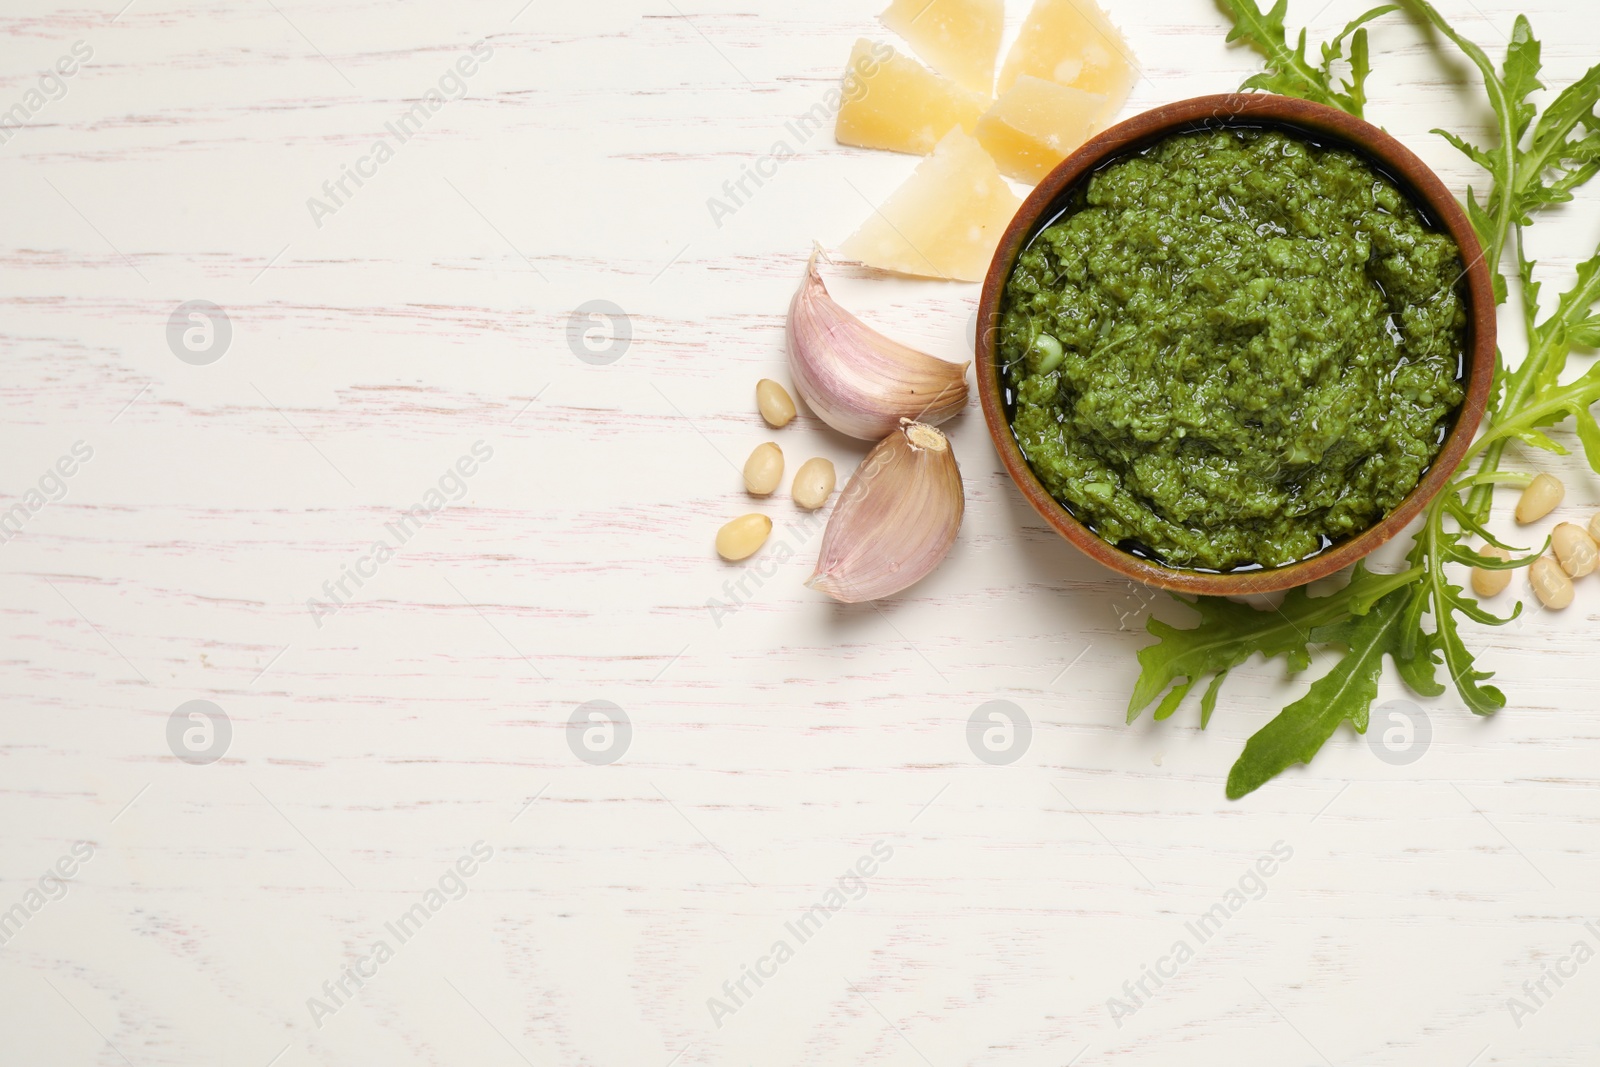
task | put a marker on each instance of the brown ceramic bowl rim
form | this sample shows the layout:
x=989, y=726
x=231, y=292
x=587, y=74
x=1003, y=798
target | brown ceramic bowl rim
x=1212, y=112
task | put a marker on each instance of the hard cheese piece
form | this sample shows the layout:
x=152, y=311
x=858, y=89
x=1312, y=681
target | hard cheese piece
x=1036, y=124
x=898, y=104
x=1071, y=42
x=945, y=221
x=959, y=38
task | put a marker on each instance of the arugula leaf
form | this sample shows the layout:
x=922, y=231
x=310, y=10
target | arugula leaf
x=1355, y=90
x=1444, y=599
x=1554, y=335
x=1549, y=343
x=1229, y=633
x=1346, y=692
x=1289, y=71
x=1521, y=75
x=1555, y=163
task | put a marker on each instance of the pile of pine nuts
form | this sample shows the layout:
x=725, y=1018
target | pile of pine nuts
x=1576, y=550
x=763, y=473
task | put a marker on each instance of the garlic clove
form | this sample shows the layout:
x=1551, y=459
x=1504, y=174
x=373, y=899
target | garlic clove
x=857, y=380
x=895, y=521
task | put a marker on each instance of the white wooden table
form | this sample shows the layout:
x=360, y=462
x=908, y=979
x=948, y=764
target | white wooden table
x=770, y=746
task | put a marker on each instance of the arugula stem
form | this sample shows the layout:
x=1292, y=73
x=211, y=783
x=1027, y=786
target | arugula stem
x=1519, y=386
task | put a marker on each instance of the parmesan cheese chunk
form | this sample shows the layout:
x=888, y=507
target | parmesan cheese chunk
x=1072, y=43
x=898, y=104
x=959, y=38
x=1036, y=125
x=945, y=221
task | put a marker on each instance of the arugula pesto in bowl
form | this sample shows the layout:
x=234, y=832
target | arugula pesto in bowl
x=1233, y=348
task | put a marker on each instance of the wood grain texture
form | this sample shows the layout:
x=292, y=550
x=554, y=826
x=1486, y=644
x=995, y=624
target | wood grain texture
x=775, y=740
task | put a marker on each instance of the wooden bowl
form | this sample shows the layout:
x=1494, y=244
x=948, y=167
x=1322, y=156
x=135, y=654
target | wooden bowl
x=1326, y=124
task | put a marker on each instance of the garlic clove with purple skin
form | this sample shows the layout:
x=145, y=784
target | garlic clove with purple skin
x=857, y=380
x=895, y=521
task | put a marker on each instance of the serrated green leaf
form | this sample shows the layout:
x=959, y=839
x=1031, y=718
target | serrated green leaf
x=1229, y=633
x=1345, y=693
x=1288, y=70
x=1554, y=162
x=1572, y=106
x=1480, y=156
x=1355, y=90
x=1444, y=600
x=1548, y=359
x=1521, y=75
x=1481, y=699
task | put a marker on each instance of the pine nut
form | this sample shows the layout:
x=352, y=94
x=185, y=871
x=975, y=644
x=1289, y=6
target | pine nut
x=1540, y=498
x=774, y=402
x=813, y=483
x=764, y=469
x=1550, y=584
x=1594, y=527
x=1575, y=550
x=1486, y=582
x=744, y=536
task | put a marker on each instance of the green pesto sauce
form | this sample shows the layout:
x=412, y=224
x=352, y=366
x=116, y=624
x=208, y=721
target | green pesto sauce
x=1234, y=348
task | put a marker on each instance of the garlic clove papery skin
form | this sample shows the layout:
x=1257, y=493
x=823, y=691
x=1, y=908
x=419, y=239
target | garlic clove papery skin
x=857, y=380
x=895, y=521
